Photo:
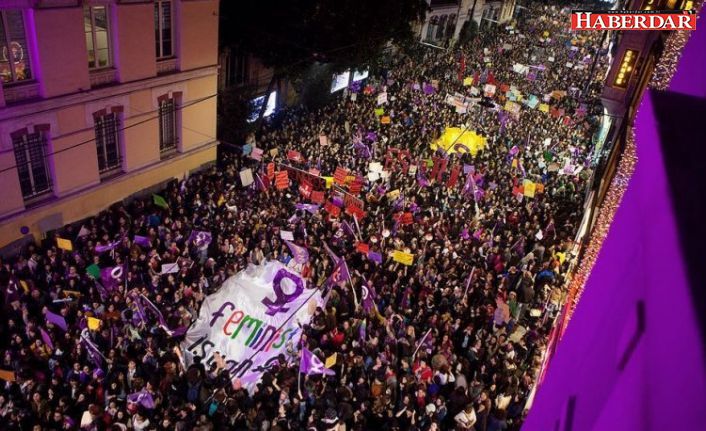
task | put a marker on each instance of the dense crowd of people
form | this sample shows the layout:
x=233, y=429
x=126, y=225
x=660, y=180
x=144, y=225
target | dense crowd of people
x=455, y=340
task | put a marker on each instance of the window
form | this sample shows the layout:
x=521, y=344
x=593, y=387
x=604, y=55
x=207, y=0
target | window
x=167, y=125
x=107, y=142
x=431, y=27
x=442, y=27
x=95, y=21
x=451, y=26
x=31, y=159
x=14, y=57
x=163, y=28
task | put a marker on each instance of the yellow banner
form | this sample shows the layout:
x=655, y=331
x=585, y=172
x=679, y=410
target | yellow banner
x=402, y=257
x=457, y=140
x=64, y=244
x=93, y=323
x=331, y=360
x=530, y=188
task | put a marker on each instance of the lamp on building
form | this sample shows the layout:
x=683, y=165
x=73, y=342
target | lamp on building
x=626, y=69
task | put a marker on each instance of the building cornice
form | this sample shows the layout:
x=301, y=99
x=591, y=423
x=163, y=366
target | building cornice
x=82, y=97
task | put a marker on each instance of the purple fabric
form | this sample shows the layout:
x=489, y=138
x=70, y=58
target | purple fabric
x=338, y=201
x=103, y=248
x=143, y=398
x=201, y=239
x=310, y=208
x=514, y=150
x=429, y=89
x=142, y=241
x=469, y=169
x=310, y=364
x=109, y=280
x=57, y=320
x=300, y=254
x=369, y=297
x=347, y=228
x=375, y=257
x=46, y=338
x=92, y=350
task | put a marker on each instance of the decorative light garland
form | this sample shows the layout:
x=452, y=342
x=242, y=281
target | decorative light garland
x=662, y=75
x=668, y=61
x=606, y=213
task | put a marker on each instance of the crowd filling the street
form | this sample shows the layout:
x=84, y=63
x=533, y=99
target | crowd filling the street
x=430, y=209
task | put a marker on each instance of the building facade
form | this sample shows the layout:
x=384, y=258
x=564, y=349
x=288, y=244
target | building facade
x=100, y=99
x=445, y=18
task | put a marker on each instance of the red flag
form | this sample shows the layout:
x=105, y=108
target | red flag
x=362, y=247
x=271, y=171
x=355, y=211
x=332, y=209
x=476, y=78
x=282, y=180
x=462, y=69
x=491, y=78
x=453, y=180
x=407, y=218
x=317, y=197
x=305, y=188
x=356, y=186
x=314, y=171
x=295, y=156
x=339, y=177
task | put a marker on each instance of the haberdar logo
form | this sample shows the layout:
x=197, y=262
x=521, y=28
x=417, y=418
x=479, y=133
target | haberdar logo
x=633, y=20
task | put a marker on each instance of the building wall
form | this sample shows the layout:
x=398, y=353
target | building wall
x=64, y=94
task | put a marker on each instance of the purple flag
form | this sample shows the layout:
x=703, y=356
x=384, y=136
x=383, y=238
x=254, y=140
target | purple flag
x=375, y=257
x=142, y=241
x=300, y=254
x=469, y=169
x=201, y=239
x=369, y=297
x=470, y=184
x=56, y=320
x=429, y=89
x=421, y=180
x=143, y=398
x=371, y=136
x=514, y=150
x=111, y=277
x=310, y=364
x=46, y=338
x=338, y=201
x=340, y=274
x=92, y=350
x=464, y=234
x=103, y=248
x=347, y=228
x=331, y=254
x=311, y=208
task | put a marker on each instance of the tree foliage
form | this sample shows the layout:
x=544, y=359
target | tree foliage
x=291, y=35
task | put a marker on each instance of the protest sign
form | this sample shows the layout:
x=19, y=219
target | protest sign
x=382, y=98
x=246, y=177
x=254, y=317
x=489, y=90
x=403, y=257
x=64, y=244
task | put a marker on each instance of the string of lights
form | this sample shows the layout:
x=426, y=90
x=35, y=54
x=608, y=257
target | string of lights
x=661, y=77
x=673, y=47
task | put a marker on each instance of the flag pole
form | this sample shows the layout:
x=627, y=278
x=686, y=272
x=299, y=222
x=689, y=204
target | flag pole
x=420, y=344
x=470, y=278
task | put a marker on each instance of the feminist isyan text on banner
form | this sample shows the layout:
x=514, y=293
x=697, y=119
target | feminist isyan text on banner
x=253, y=318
